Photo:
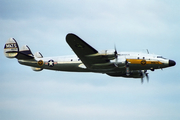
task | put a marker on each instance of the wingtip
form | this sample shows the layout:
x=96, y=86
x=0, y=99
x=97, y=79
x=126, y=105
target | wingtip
x=69, y=36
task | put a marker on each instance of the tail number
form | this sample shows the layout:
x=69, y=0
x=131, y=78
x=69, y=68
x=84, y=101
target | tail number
x=10, y=45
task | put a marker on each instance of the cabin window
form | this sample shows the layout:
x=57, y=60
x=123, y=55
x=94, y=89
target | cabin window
x=161, y=57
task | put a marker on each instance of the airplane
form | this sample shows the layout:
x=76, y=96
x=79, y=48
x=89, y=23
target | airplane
x=88, y=59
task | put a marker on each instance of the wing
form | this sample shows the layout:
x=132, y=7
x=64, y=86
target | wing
x=84, y=50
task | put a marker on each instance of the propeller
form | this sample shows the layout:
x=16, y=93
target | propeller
x=116, y=56
x=116, y=61
x=144, y=74
x=127, y=68
x=115, y=52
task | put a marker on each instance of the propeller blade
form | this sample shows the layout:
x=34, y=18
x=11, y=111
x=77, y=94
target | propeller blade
x=147, y=77
x=127, y=68
x=116, y=56
x=115, y=52
x=142, y=80
x=142, y=77
x=144, y=74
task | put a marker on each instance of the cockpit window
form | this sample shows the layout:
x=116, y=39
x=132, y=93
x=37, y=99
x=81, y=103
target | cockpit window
x=161, y=57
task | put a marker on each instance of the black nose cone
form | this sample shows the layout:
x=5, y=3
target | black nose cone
x=172, y=63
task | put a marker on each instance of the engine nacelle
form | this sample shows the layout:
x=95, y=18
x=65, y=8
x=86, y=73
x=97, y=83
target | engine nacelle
x=109, y=54
x=106, y=54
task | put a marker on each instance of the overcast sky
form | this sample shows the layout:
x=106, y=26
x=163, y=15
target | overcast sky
x=133, y=25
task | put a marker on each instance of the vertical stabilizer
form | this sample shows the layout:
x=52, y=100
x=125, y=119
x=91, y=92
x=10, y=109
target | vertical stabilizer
x=38, y=55
x=11, y=48
x=26, y=50
x=25, y=53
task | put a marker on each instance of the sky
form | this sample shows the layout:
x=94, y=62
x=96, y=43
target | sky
x=50, y=95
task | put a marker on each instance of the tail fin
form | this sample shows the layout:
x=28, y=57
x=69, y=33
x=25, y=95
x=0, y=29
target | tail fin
x=25, y=53
x=26, y=50
x=38, y=55
x=11, y=48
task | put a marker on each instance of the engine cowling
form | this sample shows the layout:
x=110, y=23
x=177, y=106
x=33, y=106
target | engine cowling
x=109, y=54
x=106, y=54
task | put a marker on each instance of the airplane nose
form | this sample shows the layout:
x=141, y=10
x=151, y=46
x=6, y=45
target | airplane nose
x=172, y=63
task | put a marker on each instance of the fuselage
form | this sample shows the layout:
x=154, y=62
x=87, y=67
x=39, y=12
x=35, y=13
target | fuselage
x=136, y=61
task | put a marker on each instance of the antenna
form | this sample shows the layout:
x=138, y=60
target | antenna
x=147, y=51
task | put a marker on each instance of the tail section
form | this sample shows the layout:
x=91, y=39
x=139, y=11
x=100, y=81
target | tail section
x=24, y=55
x=11, y=48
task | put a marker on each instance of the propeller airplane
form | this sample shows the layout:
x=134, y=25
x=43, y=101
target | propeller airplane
x=88, y=59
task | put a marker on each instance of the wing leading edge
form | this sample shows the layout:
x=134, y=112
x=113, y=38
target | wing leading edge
x=84, y=50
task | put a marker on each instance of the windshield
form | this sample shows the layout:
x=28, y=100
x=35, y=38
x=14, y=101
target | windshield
x=161, y=57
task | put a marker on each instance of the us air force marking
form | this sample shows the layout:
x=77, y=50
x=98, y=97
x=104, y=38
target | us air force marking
x=51, y=63
x=40, y=62
x=143, y=62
